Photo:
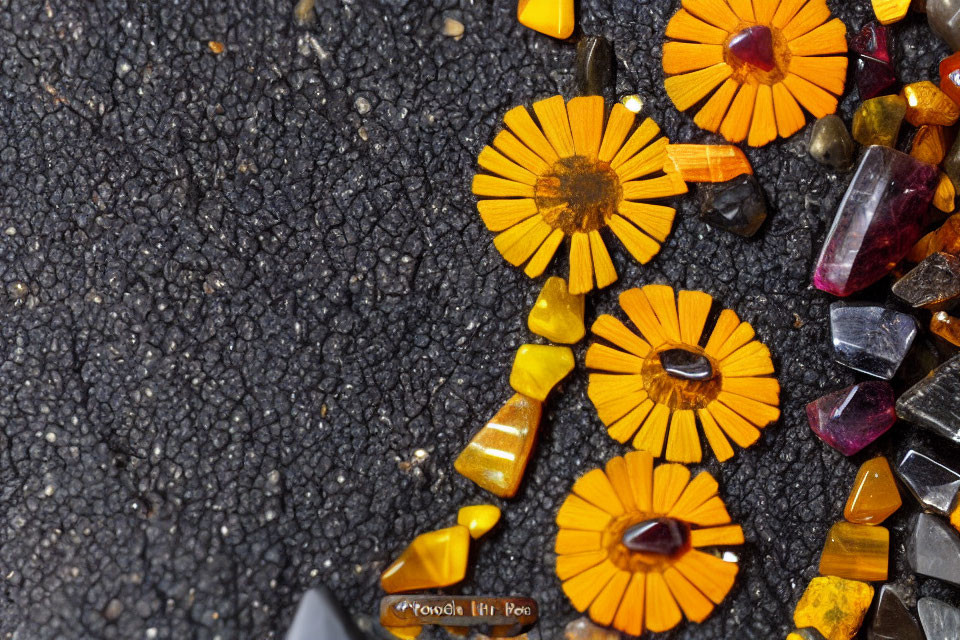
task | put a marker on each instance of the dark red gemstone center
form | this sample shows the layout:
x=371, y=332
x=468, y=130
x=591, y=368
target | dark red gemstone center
x=661, y=536
x=754, y=45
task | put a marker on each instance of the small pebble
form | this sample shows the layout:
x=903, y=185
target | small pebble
x=215, y=47
x=830, y=143
x=452, y=28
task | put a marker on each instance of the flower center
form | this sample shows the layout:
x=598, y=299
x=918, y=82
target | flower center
x=680, y=377
x=637, y=541
x=758, y=54
x=577, y=194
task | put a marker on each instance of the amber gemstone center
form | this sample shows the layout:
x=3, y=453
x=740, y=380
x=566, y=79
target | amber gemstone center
x=666, y=383
x=578, y=194
x=757, y=54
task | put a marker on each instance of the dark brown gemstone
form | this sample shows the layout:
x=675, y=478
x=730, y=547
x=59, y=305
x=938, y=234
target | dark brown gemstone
x=662, y=536
x=686, y=365
x=594, y=66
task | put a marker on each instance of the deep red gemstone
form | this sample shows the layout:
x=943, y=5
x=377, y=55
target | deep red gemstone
x=871, y=42
x=661, y=536
x=874, y=77
x=754, y=45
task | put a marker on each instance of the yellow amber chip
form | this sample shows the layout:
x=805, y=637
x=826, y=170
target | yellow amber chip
x=433, y=560
x=497, y=456
x=856, y=552
x=890, y=11
x=955, y=518
x=927, y=104
x=946, y=326
x=405, y=633
x=538, y=368
x=929, y=144
x=874, y=496
x=478, y=518
x=833, y=606
x=552, y=17
x=557, y=314
x=878, y=121
x=945, y=195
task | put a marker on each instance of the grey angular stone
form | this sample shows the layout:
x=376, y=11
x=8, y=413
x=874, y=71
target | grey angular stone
x=944, y=18
x=892, y=619
x=320, y=617
x=933, y=484
x=934, y=549
x=871, y=339
x=940, y=621
x=933, y=284
x=830, y=144
x=934, y=402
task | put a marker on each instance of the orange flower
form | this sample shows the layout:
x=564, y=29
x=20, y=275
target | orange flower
x=641, y=391
x=572, y=176
x=764, y=56
x=611, y=554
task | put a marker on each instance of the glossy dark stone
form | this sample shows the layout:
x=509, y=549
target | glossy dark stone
x=934, y=549
x=933, y=284
x=934, y=402
x=754, y=45
x=944, y=18
x=737, y=206
x=686, y=365
x=871, y=339
x=662, y=536
x=593, y=70
x=932, y=483
x=940, y=620
x=874, y=77
x=319, y=616
x=892, y=619
x=830, y=144
x=872, y=42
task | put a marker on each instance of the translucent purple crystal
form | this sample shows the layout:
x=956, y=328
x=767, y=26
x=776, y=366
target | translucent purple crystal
x=879, y=219
x=850, y=419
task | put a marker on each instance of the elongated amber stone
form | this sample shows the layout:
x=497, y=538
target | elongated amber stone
x=497, y=456
x=856, y=552
x=945, y=195
x=874, y=496
x=538, y=368
x=929, y=144
x=927, y=104
x=708, y=162
x=552, y=17
x=890, y=11
x=405, y=633
x=833, y=606
x=478, y=518
x=878, y=121
x=946, y=239
x=946, y=326
x=433, y=560
x=557, y=315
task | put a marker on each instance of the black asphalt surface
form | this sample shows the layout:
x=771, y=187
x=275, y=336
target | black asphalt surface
x=241, y=291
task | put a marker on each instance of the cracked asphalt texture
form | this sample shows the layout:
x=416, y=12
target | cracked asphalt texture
x=241, y=291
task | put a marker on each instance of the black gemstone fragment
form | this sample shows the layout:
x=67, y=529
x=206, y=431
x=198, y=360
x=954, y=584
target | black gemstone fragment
x=686, y=365
x=737, y=206
x=594, y=66
x=934, y=402
x=933, y=284
x=892, y=619
x=320, y=616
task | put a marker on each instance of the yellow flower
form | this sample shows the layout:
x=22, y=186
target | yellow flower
x=628, y=549
x=764, y=55
x=572, y=176
x=636, y=394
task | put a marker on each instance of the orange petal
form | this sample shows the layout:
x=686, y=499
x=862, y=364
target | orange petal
x=683, y=443
x=664, y=305
x=710, y=117
x=813, y=14
x=711, y=575
x=698, y=491
x=740, y=336
x=688, y=89
x=641, y=246
x=552, y=114
x=718, y=442
x=605, y=606
x=652, y=188
x=518, y=243
x=572, y=541
x=714, y=12
x=785, y=12
x=663, y=613
x=739, y=430
x=695, y=605
x=751, y=360
x=619, y=477
x=584, y=588
x=790, y=118
x=684, y=26
x=765, y=390
x=710, y=513
x=655, y=219
x=624, y=428
x=737, y=122
x=827, y=72
x=640, y=138
x=743, y=9
x=693, y=307
x=586, y=124
x=642, y=315
x=493, y=161
x=813, y=98
x=630, y=614
x=654, y=431
x=604, y=358
x=717, y=536
x=726, y=324
x=486, y=185
x=757, y=413
x=595, y=487
x=603, y=268
x=502, y=214
x=520, y=122
x=615, y=395
x=764, y=10
x=610, y=328
x=669, y=481
x=825, y=39
x=640, y=467
x=618, y=126
x=577, y=513
x=681, y=57
x=520, y=153
x=581, y=267
x=538, y=263
x=648, y=161
x=764, y=127
x=573, y=564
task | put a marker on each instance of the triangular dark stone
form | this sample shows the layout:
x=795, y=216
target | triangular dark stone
x=892, y=620
x=319, y=617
